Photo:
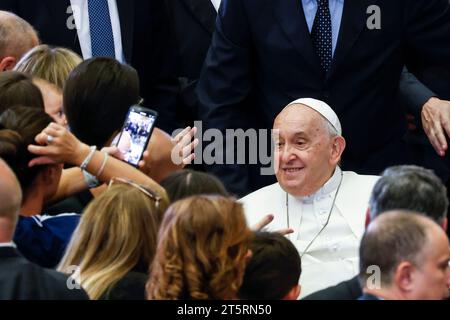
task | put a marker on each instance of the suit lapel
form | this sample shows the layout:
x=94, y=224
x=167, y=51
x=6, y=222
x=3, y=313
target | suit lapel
x=126, y=9
x=204, y=12
x=354, y=19
x=291, y=17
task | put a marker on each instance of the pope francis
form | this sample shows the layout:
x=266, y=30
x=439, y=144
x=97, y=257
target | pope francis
x=323, y=205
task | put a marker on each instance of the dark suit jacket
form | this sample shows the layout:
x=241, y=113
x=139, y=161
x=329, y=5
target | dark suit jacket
x=413, y=95
x=415, y=91
x=23, y=280
x=265, y=45
x=346, y=290
x=193, y=23
x=367, y=296
x=146, y=39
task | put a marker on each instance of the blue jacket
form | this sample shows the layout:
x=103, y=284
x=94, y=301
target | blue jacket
x=43, y=239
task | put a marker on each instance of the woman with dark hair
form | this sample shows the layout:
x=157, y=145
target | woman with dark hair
x=97, y=96
x=17, y=89
x=42, y=239
x=18, y=128
x=186, y=183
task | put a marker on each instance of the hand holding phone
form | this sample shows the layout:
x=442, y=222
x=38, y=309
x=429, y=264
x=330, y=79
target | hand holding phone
x=136, y=132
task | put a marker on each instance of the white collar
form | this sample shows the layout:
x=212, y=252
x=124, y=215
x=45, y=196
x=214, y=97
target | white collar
x=7, y=245
x=306, y=2
x=216, y=4
x=329, y=187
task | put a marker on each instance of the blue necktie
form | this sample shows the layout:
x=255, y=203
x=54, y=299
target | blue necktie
x=102, y=39
x=321, y=34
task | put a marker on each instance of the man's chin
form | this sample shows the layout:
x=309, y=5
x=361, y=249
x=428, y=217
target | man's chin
x=291, y=186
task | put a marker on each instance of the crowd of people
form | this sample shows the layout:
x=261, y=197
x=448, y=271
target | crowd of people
x=360, y=119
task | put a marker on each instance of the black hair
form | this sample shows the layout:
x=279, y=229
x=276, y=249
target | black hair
x=273, y=270
x=409, y=187
x=97, y=96
x=18, y=89
x=18, y=129
x=186, y=183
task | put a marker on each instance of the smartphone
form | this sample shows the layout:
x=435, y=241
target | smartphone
x=136, y=132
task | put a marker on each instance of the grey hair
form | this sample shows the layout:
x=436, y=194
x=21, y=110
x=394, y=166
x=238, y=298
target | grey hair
x=330, y=128
x=411, y=188
x=16, y=35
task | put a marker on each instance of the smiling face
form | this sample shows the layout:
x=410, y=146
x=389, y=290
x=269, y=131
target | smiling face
x=306, y=154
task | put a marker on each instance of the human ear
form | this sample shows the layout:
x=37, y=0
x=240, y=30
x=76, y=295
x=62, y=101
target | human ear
x=294, y=293
x=404, y=277
x=337, y=148
x=7, y=63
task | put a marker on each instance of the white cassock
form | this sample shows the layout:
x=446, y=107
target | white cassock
x=333, y=256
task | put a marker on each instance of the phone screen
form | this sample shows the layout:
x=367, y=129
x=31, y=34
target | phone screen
x=135, y=134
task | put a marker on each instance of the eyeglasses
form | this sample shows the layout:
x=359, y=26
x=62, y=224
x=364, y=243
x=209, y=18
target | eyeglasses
x=147, y=191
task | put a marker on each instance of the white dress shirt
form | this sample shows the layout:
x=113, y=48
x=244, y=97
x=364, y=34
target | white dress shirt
x=336, y=247
x=7, y=245
x=216, y=4
x=81, y=16
x=333, y=256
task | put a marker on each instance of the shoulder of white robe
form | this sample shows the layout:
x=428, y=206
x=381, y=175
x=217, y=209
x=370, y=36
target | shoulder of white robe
x=353, y=199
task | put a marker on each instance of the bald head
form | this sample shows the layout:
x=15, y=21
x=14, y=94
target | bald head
x=16, y=37
x=395, y=236
x=10, y=194
x=412, y=253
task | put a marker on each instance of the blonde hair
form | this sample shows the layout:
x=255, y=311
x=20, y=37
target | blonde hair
x=117, y=232
x=202, y=248
x=53, y=64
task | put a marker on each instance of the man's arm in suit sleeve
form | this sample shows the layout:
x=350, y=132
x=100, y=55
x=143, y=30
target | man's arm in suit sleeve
x=413, y=94
x=225, y=83
x=427, y=40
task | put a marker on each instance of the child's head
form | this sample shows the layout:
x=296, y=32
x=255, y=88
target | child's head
x=273, y=272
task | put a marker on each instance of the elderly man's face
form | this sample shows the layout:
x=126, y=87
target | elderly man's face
x=303, y=150
x=432, y=277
